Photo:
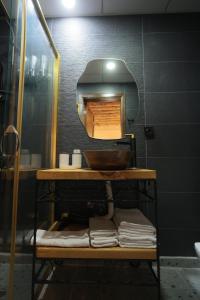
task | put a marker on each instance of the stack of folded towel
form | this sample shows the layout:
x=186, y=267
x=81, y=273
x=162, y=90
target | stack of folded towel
x=134, y=229
x=103, y=233
x=67, y=238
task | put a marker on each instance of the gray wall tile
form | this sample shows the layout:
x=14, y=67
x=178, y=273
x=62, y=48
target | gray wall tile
x=175, y=140
x=176, y=174
x=178, y=242
x=168, y=108
x=171, y=23
x=178, y=46
x=172, y=76
x=182, y=208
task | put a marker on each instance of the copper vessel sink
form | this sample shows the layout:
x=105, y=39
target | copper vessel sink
x=107, y=159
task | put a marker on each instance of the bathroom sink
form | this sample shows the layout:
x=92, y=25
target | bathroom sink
x=107, y=159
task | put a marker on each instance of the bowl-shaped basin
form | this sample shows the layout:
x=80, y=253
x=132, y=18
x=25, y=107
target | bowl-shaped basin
x=107, y=159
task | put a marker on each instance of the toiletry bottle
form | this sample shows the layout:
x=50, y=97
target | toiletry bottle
x=63, y=160
x=76, y=159
x=25, y=159
x=36, y=161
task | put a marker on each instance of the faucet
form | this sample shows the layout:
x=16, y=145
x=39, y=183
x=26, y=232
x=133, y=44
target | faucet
x=132, y=145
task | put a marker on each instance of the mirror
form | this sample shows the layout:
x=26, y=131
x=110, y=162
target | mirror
x=106, y=94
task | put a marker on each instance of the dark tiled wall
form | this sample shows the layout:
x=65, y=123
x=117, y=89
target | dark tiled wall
x=163, y=52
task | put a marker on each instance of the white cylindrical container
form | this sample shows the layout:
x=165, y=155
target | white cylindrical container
x=63, y=160
x=76, y=159
x=36, y=161
x=25, y=161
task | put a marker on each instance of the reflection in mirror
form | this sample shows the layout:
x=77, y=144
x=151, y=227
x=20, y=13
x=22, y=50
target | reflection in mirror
x=104, y=116
x=105, y=91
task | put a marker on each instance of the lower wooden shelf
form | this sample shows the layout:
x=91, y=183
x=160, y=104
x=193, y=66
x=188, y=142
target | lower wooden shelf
x=96, y=253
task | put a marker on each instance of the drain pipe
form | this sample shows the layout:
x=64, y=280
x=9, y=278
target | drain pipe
x=109, y=195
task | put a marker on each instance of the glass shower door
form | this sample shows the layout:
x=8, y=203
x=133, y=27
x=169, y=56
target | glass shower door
x=38, y=124
x=12, y=29
x=28, y=135
x=37, y=131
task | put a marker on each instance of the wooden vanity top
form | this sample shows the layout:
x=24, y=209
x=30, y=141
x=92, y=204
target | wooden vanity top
x=88, y=174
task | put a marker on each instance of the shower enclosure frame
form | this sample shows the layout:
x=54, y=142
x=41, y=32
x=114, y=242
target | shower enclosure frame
x=16, y=171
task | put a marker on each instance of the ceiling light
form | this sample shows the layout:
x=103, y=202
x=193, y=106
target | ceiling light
x=110, y=65
x=69, y=3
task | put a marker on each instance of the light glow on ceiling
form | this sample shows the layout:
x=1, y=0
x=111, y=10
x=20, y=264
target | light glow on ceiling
x=69, y=4
x=108, y=95
x=30, y=6
x=110, y=66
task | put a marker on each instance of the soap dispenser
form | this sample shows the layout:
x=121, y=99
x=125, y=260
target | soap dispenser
x=76, y=159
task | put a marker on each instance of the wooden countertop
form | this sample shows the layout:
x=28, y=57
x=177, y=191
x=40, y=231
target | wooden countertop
x=96, y=253
x=88, y=174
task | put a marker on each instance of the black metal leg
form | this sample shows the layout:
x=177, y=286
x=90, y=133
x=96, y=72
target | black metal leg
x=34, y=242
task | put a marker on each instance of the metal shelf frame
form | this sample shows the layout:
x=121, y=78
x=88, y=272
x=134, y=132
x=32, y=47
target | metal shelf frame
x=50, y=257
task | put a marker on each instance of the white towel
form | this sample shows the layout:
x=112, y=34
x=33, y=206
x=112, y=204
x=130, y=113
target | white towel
x=103, y=233
x=62, y=238
x=102, y=227
x=104, y=242
x=134, y=229
x=136, y=238
x=132, y=219
x=122, y=230
x=137, y=245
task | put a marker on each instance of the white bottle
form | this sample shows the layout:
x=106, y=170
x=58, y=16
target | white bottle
x=76, y=159
x=36, y=161
x=25, y=159
x=63, y=160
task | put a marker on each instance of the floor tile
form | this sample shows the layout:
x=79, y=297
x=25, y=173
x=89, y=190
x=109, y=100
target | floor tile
x=179, y=294
x=192, y=276
x=172, y=278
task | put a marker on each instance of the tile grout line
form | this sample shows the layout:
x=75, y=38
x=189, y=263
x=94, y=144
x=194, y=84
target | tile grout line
x=144, y=88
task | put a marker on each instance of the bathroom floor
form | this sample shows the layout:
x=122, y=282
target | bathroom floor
x=114, y=281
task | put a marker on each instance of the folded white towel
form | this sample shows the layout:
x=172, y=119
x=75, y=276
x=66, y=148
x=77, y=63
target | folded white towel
x=137, y=245
x=136, y=238
x=62, y=238
x=103, y=233
x=132, y=219
x=104, y=242
x=136, y=231
x=102, y=227
x=137, y=228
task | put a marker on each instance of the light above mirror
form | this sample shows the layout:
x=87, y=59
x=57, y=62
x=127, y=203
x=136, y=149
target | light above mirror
x=110, y=65
x=69, y=4
x=105, y=90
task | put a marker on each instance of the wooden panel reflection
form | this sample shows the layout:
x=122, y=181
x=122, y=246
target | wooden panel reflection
x=104, y=117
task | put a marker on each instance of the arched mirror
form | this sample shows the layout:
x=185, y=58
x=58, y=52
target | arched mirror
x=105, y=92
